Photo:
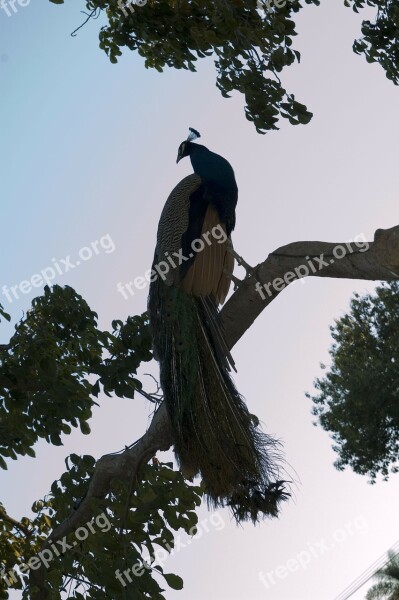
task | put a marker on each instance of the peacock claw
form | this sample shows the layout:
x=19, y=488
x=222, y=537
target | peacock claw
x=240, y=261
x=236, y=280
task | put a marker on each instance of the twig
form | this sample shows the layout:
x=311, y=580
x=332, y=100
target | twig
x=25, y=530
x=92, y=15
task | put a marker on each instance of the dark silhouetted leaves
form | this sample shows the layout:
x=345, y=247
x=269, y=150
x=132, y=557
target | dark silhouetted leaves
x=250, y=46
x=47, y=369
x=358, y=397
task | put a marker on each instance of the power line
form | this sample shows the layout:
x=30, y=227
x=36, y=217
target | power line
x=362, y=579
x=368, y=573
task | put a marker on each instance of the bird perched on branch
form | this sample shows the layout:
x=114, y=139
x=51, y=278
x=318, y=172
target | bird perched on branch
x=215, y=435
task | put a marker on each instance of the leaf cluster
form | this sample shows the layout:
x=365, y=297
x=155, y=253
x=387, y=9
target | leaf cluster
x=128, y=526
x=250, y=42
x=358, y=396
x=380, y=39
x=56, y=364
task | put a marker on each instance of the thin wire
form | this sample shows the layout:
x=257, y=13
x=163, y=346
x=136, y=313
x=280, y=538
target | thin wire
x=368, y=573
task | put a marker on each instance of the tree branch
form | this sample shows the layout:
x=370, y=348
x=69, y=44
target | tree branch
x=110, y=466
x=378, y=260
x=92, y=15
x=17, y=524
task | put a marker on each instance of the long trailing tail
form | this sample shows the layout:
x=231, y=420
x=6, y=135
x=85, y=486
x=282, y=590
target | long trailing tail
x=215, y=435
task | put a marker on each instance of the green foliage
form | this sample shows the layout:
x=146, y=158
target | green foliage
x=18, y=542
x=4, y=314
x=250, y=46
x=380, y=41
x=137, y=519
x=54, y=366
x=358, y=397
x=44, y=370
x=388, y=586
x=46, y=381
x=129, y=345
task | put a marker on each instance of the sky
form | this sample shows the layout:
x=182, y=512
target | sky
x=88, y=158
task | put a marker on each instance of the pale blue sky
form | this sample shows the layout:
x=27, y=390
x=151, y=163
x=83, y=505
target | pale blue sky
x=89, y=149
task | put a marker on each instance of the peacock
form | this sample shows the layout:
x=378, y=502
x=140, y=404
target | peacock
x=215, y=435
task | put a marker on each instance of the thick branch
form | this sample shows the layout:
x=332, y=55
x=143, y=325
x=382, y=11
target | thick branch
x=110, y=466
x=378, y=260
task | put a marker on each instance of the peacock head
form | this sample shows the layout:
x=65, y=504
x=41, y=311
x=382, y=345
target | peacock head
x=186, y=146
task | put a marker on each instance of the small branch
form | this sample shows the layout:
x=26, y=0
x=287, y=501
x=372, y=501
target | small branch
x=5, y=517
x=92, y=15
x=156, y=383
x=155, y=397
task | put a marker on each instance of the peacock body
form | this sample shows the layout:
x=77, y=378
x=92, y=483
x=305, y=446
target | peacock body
x=215, y=435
